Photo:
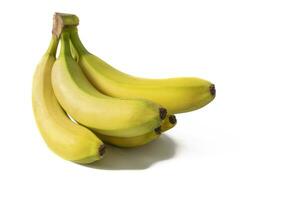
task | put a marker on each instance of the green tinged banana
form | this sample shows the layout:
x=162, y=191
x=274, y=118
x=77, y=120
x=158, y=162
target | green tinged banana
x=136, y=141
x=177, y=95
x=67, y=139
x=101, y=113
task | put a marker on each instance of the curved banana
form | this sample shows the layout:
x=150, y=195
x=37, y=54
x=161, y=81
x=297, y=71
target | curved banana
x=136, y=141
x=89, y=107
x=67, y=139
x=130, y=141
x=177, y=95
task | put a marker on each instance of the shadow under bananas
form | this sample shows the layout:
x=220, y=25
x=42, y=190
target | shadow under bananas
x=137, y=158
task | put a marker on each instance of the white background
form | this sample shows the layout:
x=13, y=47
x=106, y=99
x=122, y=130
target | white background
x=244, y=145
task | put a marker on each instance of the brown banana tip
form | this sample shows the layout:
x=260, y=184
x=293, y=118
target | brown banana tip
x=172, y=119
x=102, y=149
x=158, y=130
x=212, y=89
x=162, y=113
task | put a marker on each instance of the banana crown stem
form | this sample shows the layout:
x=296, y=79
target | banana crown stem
x=62, y=20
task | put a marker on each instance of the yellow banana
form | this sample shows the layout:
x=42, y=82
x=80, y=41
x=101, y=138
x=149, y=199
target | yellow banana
x=136, y=141
x=130, y=141
x=67, y=139
x=101, y=113
x=177, y=95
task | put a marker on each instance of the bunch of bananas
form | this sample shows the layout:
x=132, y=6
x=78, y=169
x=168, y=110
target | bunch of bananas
x=79, y=100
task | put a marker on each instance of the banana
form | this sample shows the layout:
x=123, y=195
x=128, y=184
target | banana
x=101, y=113
x=177, y=95
x=67, y=139
x=130, y=142
x=136, y=141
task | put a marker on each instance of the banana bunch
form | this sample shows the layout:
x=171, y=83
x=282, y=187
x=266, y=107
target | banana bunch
x=79, y=100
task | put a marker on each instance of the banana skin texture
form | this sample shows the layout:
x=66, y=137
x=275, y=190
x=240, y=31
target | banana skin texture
x=67, y=139
x=177, y=95
x=101, y=113
x=129, y=142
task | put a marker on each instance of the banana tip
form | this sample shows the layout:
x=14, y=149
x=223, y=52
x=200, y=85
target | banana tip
x=212, y=89
x=158, y=130
x=162, y=113
x=172, y=119
x=102, y=149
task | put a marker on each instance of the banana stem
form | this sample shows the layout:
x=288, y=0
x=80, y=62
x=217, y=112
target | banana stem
x=62, y=20
x=81, y=50
x=65, y=49
x=53, y=46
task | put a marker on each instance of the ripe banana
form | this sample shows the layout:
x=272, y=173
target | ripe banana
x=101, y=113
x=177, y=95
x=136, y=141
x=67, y=139
x=130, y=141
